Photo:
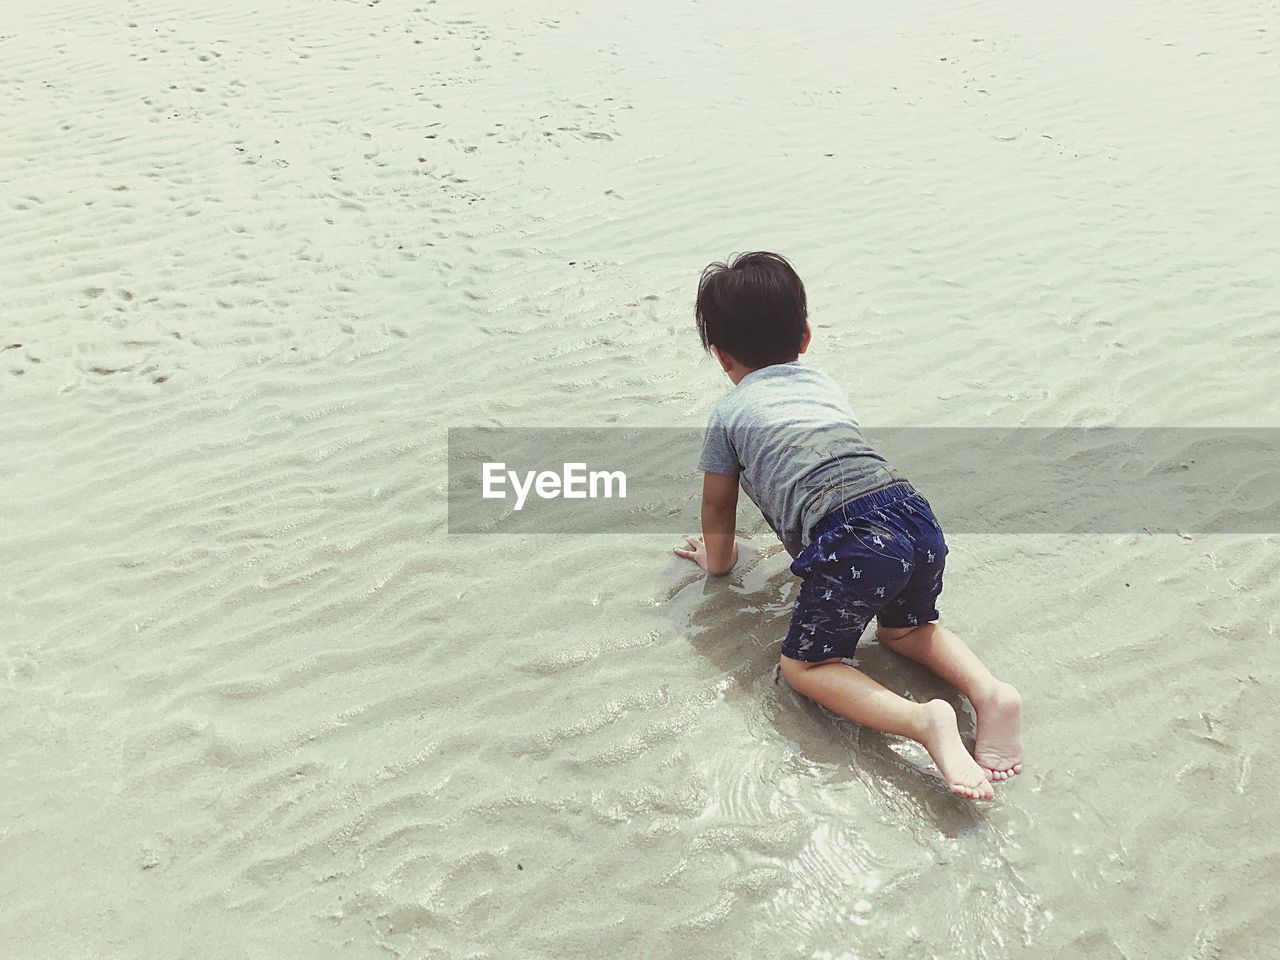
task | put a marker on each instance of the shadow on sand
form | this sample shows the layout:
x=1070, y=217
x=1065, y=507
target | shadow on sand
x=737, y=623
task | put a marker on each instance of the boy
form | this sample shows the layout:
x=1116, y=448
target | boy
x=864, y=541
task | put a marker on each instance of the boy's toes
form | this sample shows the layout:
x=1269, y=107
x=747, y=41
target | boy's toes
x=996, y=776
x=993, y=775
x=981, y=792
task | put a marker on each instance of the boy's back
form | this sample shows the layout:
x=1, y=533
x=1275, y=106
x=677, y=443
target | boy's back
x=789, y=433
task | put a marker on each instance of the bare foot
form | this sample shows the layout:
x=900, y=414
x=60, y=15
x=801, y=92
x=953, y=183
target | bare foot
x=941, y=738
x=999, y=747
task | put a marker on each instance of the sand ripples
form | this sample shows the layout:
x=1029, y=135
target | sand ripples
x=257, y=702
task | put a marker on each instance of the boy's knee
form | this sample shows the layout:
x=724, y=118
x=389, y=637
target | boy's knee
x=893, y=635
x=791, y=668
x=788, y=667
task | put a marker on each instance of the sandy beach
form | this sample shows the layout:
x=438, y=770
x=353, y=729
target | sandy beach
x=256, y=700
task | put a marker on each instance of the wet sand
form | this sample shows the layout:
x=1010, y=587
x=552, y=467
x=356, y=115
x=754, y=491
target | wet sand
x=257, y=702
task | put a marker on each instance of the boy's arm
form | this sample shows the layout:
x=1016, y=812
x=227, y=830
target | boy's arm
x=717, y=551
x=719, y=520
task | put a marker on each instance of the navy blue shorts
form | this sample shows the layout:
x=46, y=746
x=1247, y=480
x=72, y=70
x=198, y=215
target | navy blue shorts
x=879, y=555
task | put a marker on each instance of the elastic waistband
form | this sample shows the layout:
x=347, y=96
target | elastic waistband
x=866, y=502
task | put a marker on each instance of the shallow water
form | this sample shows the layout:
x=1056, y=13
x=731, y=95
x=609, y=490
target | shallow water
x=259, y=703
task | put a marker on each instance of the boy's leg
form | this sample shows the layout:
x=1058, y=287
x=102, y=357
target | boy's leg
x=852, y=694
x=998, y=705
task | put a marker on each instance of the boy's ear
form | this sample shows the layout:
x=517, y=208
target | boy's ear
x=808, y=335
x=726, y=361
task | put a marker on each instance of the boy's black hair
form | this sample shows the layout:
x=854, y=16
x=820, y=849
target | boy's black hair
x=752, y=308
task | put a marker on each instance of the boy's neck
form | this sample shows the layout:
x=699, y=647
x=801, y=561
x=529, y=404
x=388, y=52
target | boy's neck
x=738, y=372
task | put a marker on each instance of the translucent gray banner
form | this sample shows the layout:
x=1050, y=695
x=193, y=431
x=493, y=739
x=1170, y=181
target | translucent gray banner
x=979, y=480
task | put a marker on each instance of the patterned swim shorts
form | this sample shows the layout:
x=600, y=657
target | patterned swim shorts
x=879, y=555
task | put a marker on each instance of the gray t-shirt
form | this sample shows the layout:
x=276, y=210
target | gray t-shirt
x=789, y=433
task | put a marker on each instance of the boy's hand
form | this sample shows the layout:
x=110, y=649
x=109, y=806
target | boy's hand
x=698, y=554
x=719, y=510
